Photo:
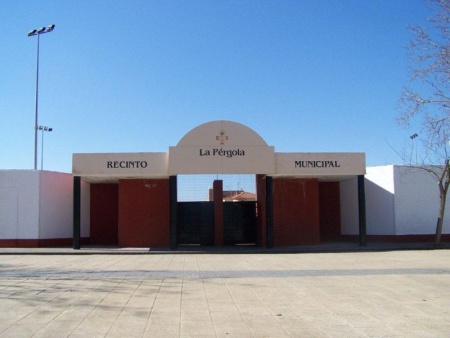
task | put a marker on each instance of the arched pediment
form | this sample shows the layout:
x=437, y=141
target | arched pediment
x=221, y=133
x=221, y=147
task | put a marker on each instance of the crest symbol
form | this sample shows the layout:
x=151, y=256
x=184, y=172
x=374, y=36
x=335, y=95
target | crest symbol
x=222, y=138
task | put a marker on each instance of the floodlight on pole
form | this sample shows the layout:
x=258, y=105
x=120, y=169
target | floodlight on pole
x=42, y=129
x=413, y=137
x=38, y=32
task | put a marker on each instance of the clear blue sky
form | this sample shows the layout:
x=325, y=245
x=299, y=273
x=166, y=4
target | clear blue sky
x=135, y=76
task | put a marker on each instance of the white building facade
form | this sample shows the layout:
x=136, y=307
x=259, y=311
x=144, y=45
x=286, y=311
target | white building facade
x=402, y=201
x=37, y=208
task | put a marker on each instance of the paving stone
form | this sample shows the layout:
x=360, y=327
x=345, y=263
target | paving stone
x=350, y=294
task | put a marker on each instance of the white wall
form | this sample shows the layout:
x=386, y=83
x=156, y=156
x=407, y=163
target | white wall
x=9, y=212
x=380, y=214
x=349, y=207
x=56, y=205
x=379, y=188
x=39, y=205
x=417, y=202
x=19, y=204
x=399, y=201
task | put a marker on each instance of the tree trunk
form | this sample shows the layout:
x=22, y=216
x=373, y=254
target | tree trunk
x=437, y=238
x=440, y=220
x=443, y=189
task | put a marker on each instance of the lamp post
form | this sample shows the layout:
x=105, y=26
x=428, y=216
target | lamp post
x=38, y=32
x=413, y=137
x=42, y=129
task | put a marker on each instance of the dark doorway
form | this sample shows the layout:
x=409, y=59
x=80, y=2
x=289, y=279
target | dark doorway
x=196, y=223
x=330, y=211
x=207, y=223
x=239, y=223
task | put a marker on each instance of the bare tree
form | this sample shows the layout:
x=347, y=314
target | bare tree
x=426, y=99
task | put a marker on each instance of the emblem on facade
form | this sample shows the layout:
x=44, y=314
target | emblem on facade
x=222, y=138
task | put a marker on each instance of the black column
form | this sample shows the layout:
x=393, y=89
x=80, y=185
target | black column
x=173, y=212
x=76, y=212
x=269, y=212
x=362, y=211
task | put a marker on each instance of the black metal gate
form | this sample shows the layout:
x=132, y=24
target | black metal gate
x=239, y=223
x=195, y=223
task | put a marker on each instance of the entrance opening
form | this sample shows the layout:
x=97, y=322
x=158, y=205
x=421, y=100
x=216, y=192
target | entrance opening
x=197, y=210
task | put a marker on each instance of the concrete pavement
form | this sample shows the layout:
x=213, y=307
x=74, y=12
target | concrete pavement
x=341, y=246
x=335, y=294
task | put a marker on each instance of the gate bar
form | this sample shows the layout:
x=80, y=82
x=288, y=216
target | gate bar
x=362, y=211
x=76, y=212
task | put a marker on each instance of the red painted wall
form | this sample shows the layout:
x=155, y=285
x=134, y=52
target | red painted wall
x=104, y=214
x=296, y=212
x=330, y=211
x=144, y=213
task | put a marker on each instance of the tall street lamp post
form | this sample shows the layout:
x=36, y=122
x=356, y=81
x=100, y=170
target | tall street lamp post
x=413, y=137
x=42, y=129
x=38, y=32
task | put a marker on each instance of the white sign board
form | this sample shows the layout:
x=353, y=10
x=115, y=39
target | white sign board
x=218, y=147
x=221, y=160
x=120, y=165
x=320, y=164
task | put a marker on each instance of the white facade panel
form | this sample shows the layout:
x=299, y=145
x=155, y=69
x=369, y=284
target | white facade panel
x=25, y=204
x=349, y=207
x=380, y=213
x=9, y=212
x=39, y=205
x=417, y=202
x=56, y=205
x=383, y=176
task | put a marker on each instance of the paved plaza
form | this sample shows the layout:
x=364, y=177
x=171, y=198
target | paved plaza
x=354, y=294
